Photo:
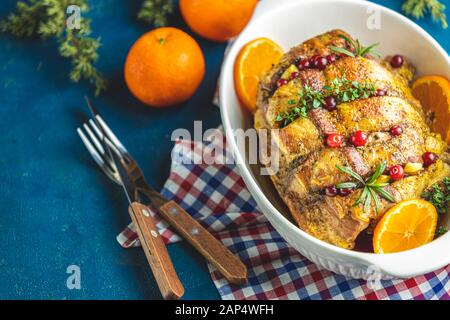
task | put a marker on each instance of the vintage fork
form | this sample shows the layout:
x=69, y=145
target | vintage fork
x=107, y=155
x=211, y=248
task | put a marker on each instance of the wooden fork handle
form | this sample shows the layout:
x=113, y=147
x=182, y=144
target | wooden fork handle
x=156, y=252
x=212, y=249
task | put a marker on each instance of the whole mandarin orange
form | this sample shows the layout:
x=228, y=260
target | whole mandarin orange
x=217, y=20
x=164, y=67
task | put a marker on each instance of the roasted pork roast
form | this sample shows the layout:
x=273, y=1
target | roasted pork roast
x=308, y=165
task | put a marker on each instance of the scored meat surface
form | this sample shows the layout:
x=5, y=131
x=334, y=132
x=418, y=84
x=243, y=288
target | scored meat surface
x=307, y=165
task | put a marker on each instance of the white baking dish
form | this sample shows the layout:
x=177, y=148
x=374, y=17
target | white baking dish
x=290, y=22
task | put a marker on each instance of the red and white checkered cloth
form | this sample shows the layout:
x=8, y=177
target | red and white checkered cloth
x=216, y=196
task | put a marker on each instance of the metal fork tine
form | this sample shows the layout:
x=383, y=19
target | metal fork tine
x=97, y=157
x=105, y=140
x=100, y=143
x=111, y=136
x=96, y=129
x=94, y=139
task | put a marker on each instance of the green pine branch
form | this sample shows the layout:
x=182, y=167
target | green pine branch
x=418, y=9
x=47, y=19
x=156, y=12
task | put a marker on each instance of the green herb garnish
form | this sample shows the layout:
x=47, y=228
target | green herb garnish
x=370, y=188
x=47, y=19
x=418, y=9
x=439, y=195
x=156, y=12
x=342, y=89
x=287, y=117
x=358, y=49
x=441, y=231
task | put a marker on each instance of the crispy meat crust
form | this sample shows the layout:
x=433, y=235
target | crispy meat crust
x=307, y=165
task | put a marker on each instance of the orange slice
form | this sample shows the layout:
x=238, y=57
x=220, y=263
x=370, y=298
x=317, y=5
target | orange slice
x=407, y=225
x=434, y=94
x=253, y=61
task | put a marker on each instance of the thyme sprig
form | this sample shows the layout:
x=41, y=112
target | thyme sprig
x=345, y=90
x=156, y=12
x=47, y=19
x=418, y=9
x=342, y=89
x=370, y=187
x=439, y=195
x=357, y=47
x=441, y=231
x=308, y=98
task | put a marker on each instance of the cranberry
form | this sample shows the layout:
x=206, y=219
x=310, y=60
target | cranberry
x=334, y=140
x=312, y=60
x=359, y=138
x=429, y=158
x=381, y=92
x=331, y=58
x=344, y=192
x=304, y=64
x=331, y=191
x=330, y=103
x=320, y=63
x=294, y=75
x=397, y=61
x=396, y=130
x=281, y=82
x=396, y=172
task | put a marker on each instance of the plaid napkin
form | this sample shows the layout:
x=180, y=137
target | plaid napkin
x=217, y=197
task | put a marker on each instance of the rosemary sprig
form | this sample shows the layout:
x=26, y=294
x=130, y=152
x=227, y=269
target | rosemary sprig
x=342, y=89
x=358, y=49
x=156, y=12
x=418, y=9
x=47, y=19
x=370, y=188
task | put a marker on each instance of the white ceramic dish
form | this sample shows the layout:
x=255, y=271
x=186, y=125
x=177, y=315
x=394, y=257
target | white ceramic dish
x=290, y=22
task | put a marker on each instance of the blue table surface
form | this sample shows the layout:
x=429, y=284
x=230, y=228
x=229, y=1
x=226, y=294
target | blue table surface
x=57, y=208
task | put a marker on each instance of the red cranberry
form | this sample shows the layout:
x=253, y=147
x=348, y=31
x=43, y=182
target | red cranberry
x=281, y=82
x=381, y=92
x=397, y=61
x=320, y=63
x=312, y=60
x=396, y=130
x=359, y=138
x=330, y=103
x=331, y=191
x=429, y=158
x=344, y=192
x=294, y=75
x=396, y=172
x=304, y=64
x=334, y=140
x=331, y=58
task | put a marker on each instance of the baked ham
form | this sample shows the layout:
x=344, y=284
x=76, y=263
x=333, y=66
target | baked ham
x=308, y=165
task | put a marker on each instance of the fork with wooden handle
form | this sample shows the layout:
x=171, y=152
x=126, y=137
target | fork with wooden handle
x=110, y=160
x=156, y=252
x=212, y=249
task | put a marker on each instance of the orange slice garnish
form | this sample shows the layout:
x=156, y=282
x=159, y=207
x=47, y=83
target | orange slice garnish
x=433, y=92
x=253, y=61
x=407, y=225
